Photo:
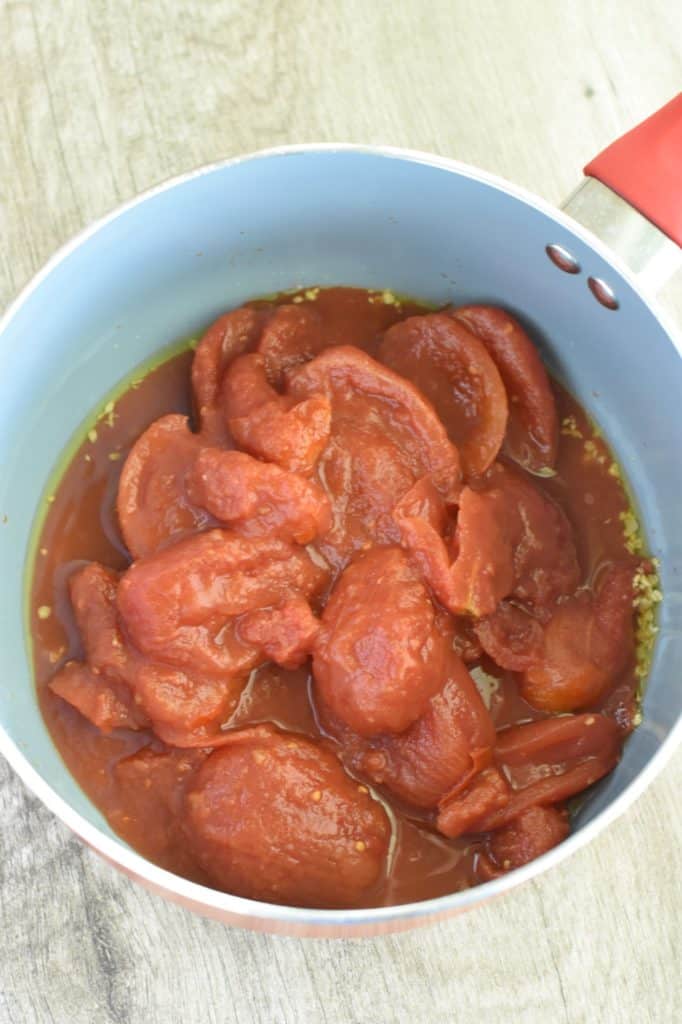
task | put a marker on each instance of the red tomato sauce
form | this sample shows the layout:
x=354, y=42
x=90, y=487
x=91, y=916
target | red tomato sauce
x=332, y=674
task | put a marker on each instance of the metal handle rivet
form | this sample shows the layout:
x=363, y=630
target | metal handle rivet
x=603, y=292
x=562, y=258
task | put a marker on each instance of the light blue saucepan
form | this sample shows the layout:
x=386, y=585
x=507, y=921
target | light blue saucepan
x=163, y=266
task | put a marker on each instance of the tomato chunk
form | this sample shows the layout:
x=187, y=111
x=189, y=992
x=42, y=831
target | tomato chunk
x=342, y=371
x=292, y=335
x=272, y=426
x=230, y=335
x=245, y=387
x=425, y=531
x=286, y=637
x=510, y=540
x=381, y=653
x=449, y=744
x=183, y=708
x=423, y=501
x=187, y=708
x=105, y=702
x=384, y=437
x=545, y=559
x=538, y=764
x=481, y=572
x=172, y=486
x=273, y=816
x=149, y=810
x=453, y=369
x=554, y=740
x=180, y=605
x=534, y=832
x=256, y=498
x=462, y=810
x=153, y=504
x=158, y=776
x=587, y=642
x=511, y=637
x=532, y=436
x=93, y=598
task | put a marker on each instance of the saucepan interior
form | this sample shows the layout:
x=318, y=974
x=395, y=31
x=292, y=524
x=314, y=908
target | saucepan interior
x=161, y=268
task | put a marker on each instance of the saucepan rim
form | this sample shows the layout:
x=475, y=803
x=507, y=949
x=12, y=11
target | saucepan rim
x=214, y=901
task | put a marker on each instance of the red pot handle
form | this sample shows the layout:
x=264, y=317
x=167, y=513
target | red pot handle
x=645, y=168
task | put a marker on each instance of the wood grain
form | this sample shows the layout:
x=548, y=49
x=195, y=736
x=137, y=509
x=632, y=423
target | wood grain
x=99, y=100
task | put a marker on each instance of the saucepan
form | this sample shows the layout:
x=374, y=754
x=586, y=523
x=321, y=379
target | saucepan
x=164, y=265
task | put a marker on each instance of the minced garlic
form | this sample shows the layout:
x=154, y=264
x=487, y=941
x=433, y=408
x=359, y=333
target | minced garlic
x=386, y=296
x=632, y=533
x=592, y=453
x=647, y=596
x=569, y=427
x=108, y=415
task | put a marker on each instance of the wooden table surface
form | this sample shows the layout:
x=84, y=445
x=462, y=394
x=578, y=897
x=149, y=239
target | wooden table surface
x=101, y=99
